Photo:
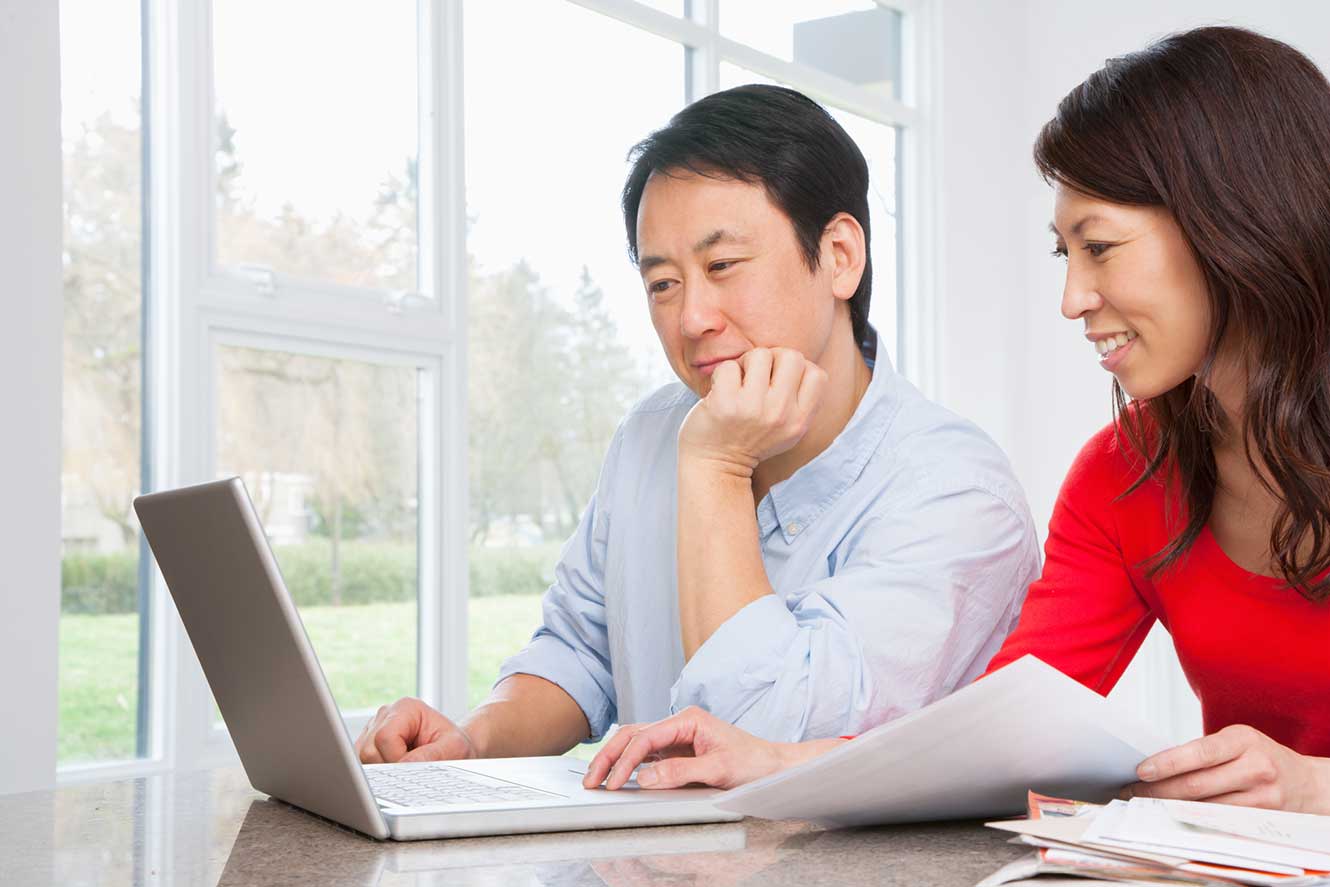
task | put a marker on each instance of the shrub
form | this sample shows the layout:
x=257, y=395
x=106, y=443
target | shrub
x=99, y=583
x=371, y=572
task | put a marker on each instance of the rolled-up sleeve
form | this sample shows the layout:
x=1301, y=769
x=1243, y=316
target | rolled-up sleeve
x=571, y=646
x=921, y=597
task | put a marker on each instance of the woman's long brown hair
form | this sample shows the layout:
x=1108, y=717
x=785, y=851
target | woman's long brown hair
x=1230, y=132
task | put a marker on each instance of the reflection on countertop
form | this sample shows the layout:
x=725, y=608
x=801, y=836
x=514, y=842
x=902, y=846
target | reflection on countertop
x=209, y=827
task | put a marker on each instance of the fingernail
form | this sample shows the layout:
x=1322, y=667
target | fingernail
x=1147, y=771
x=646, y=775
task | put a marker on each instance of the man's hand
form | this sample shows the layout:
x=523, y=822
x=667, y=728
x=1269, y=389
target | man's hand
x=759, y=406
x=1238, y=765
x=409, y=730
x=693, y=746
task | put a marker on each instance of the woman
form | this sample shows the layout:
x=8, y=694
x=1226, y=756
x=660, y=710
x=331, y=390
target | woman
x=1192, y=206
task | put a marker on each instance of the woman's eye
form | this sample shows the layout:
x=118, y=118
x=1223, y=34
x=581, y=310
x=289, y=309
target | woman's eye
x=1097, y=249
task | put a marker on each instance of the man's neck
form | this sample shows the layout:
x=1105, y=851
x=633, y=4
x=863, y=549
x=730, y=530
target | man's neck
x=847, y=380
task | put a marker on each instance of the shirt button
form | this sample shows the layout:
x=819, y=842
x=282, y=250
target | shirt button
x=794, y=529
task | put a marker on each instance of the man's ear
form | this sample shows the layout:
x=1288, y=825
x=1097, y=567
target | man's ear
x=845, y=252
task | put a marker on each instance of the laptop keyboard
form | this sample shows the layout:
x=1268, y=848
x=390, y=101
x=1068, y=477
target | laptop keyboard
x=435, y=786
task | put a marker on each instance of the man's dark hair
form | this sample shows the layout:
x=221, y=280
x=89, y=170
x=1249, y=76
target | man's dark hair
x=773, y=136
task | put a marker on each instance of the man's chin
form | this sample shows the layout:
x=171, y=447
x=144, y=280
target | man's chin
x=698, y=384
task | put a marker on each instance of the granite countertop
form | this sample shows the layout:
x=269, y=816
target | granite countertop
x=209, y=827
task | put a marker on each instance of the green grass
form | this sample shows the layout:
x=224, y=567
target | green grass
x=98, y=686
x=368, y=653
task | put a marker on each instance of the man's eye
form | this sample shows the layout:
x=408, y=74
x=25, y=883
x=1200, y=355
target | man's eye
x=659, y=287
x=720, y=266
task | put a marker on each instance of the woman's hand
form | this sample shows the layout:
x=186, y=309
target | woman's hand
x=1238, y=765
x=692, y=747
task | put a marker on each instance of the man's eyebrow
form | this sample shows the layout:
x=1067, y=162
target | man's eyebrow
x=720, y=235
x=646, y=263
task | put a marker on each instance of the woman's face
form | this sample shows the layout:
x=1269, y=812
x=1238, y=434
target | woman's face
x=1133, y=280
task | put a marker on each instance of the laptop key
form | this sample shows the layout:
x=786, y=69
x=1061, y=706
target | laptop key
x=443, y=785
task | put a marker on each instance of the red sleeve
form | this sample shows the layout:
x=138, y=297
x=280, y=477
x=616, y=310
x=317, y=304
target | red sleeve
x=1084, y=615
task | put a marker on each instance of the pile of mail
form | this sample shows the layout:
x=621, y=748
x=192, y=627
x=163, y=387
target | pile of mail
x=1154, y=841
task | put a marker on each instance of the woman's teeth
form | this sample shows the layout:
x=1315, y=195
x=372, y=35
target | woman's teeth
x=1106, y=347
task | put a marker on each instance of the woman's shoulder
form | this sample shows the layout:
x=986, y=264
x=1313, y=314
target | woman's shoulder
x=1112, y=461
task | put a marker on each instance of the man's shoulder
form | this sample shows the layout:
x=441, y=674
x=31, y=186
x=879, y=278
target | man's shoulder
x=667, y=398
x=660, y=412
x=647, y=431
x=932, y=444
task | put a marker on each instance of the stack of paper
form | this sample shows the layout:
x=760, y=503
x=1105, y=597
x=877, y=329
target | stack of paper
x=1154, y=841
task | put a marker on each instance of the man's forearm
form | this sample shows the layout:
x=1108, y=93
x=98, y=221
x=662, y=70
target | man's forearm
x=719, y=555
x=526, y=716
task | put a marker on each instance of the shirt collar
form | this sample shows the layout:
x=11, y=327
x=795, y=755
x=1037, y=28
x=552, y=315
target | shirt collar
x=799, y=500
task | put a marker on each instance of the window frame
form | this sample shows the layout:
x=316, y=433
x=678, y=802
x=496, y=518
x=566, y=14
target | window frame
x=197, y=306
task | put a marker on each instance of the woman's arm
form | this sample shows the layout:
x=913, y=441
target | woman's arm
x=1085, y=615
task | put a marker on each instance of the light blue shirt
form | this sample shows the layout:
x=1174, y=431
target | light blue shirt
x=899, y=557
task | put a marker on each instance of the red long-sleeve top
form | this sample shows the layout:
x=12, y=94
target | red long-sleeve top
x=1255, y=652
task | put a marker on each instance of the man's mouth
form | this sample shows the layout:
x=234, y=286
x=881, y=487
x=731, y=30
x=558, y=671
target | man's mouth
x=707, y=367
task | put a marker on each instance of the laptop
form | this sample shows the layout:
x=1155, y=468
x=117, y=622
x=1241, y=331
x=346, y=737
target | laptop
x=215, y=558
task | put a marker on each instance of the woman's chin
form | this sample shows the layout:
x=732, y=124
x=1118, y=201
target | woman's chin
x=1142, y=389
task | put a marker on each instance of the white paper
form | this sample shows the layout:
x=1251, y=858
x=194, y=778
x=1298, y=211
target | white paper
x=973, y=754
x=1305, y=830
x=1147, y=824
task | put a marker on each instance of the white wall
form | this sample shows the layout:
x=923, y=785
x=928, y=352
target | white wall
x=30, y=298
x=1009, y=360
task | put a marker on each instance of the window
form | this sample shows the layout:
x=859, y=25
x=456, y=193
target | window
x=102, y=623
x=559, y=341
x=388, y=288
x=857, y=41
x=316, y=161
x=328, y=450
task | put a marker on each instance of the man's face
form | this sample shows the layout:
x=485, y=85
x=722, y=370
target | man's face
x=724, y=273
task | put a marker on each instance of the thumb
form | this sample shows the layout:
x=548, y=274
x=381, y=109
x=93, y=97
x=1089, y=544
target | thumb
x=676, y=772
x=434, y=751
x=450, y=747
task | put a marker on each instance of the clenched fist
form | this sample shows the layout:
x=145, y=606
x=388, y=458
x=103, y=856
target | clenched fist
x=759, y=406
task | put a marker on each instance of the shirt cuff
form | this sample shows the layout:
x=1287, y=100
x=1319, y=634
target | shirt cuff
x=550, y=658
x=741, y=659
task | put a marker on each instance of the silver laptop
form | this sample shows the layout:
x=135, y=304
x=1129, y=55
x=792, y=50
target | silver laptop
x=212, y=551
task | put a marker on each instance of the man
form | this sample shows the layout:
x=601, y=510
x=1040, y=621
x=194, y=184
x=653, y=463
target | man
x=794, y=538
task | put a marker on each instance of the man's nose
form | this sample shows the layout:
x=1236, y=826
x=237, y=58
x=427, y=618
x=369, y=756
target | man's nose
x=702, y=312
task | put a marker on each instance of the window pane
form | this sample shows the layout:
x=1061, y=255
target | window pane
x=855, y=40
x=103, y=371
x=560, y=342
x=328, y=450
x=316, y=139
x=879, y=143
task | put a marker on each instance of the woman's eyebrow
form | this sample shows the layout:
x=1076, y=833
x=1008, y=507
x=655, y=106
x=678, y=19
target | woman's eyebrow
x=1076, y=229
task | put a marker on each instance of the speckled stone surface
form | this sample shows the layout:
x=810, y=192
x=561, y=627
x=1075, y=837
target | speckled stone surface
x=210, y=827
